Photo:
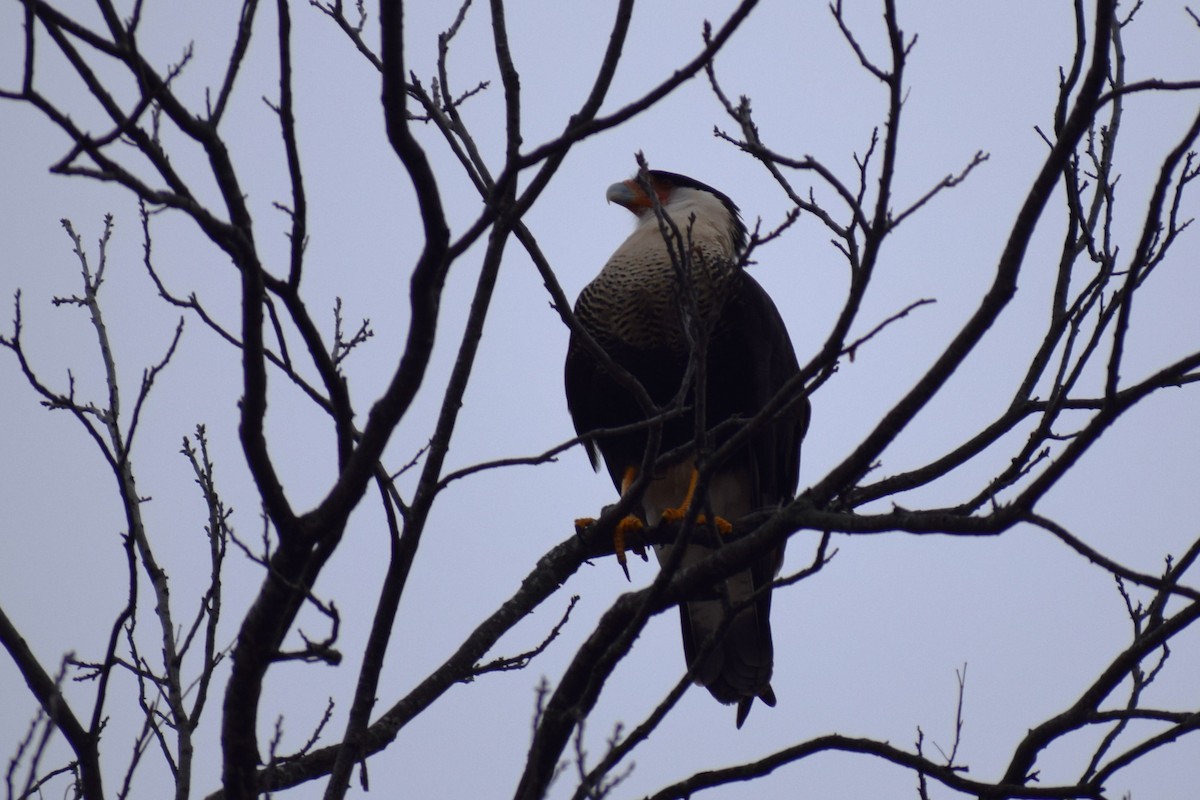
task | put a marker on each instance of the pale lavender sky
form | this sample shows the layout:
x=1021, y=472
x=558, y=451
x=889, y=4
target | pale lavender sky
x=869, y=647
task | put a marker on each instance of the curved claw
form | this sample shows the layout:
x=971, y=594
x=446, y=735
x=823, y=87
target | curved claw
x=629, y=524
x=626, y=526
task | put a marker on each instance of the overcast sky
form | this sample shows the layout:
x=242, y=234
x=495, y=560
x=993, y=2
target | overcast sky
x=869, y=647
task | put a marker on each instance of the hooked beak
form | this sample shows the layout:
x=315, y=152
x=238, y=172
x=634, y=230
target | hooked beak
x=622, y=194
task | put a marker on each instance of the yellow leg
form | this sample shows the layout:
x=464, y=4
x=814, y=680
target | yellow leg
x=627, y=479
x=630, y=524
x=677, y=514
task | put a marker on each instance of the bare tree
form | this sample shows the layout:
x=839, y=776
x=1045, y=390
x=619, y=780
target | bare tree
x=1075, y=387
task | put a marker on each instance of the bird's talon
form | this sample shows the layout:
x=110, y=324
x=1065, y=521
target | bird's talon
x=619, y=549
x=624, y=527
x=673, y=514
x=723, y=526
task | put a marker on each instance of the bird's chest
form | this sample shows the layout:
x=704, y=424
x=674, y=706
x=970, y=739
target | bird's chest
x=648, y=305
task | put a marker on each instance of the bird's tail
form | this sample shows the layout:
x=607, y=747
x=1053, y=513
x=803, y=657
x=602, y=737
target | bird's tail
x=738, y=668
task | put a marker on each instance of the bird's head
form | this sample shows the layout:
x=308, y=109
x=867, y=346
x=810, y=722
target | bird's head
x=680, y=197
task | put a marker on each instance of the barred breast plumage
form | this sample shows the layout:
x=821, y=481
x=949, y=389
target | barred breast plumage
x=639, y=298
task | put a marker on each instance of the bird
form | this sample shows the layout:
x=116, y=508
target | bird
x=678, y=279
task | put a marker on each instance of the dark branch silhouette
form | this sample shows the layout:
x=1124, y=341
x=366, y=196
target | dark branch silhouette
x=138, y=118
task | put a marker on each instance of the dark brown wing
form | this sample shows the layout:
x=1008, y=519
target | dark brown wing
x=750, y=359
x=597, y=401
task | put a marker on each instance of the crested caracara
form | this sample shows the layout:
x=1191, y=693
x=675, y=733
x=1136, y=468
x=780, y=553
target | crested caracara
x=648, y=311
